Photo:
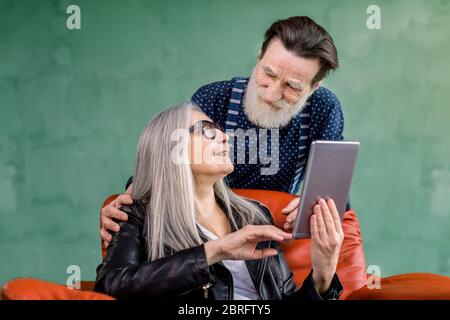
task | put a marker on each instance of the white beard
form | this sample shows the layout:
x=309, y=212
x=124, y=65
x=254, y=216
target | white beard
x=263, y=115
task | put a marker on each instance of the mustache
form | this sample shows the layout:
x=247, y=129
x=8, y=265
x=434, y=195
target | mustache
x=263, y=114
x=281, y=103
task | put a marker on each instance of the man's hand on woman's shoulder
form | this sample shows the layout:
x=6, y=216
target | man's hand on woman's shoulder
x=110, y=212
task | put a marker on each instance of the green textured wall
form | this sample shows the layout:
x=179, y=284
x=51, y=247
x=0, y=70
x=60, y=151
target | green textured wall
x=73, y=104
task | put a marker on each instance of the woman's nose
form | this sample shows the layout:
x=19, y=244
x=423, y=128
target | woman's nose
x=223, y=137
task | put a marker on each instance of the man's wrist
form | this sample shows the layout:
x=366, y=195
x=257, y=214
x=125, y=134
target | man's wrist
x=322, y=282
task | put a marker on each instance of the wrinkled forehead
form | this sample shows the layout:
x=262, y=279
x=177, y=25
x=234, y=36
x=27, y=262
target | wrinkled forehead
x=287, y=63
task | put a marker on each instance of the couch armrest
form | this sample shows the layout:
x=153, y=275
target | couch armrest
x=409, y=286
x=35, y=289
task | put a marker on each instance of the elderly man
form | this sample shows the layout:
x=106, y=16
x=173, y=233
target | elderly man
x=282, y=102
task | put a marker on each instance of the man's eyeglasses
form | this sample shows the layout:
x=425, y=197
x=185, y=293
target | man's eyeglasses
x=207, y=128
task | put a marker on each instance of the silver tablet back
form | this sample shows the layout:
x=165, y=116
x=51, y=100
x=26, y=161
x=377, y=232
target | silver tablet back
x=328, y=174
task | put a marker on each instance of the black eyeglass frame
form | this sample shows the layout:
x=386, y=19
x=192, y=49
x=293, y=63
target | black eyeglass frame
x=205, y=125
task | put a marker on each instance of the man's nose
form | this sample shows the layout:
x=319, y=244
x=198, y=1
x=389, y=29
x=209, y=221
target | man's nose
x=272, y=93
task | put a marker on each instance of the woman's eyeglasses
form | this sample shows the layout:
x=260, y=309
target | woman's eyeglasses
x=207, y=128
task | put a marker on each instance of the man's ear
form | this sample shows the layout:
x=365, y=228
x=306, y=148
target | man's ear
x=259, y=56
x=316, y=85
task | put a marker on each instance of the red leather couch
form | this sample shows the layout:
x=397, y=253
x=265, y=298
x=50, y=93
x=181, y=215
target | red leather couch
x=351, y=267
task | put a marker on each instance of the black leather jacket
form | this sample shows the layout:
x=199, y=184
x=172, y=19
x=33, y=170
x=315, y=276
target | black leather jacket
x=185, y=275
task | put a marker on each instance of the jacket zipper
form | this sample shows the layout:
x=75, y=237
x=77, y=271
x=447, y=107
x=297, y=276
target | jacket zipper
x=196, y=288
x=208, y=285
x=205, y=290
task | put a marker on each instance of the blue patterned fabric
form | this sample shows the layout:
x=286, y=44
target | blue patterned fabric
x=320, y=119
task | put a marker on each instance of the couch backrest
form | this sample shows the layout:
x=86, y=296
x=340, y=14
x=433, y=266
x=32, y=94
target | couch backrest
x=352, y=263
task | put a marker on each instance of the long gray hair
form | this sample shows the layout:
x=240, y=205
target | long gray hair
x=167, y=187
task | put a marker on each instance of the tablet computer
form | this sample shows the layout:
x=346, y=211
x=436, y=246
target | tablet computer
x=329, y=172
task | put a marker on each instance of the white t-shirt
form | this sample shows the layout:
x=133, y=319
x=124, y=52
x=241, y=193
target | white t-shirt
x=244, y=289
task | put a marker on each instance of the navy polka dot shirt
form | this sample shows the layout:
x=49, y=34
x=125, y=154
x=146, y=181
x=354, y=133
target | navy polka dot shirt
x=320, y=119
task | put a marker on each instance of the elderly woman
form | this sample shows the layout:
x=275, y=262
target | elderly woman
x=189, y=237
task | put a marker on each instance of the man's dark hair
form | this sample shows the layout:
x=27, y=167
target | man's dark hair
x=306, y=39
